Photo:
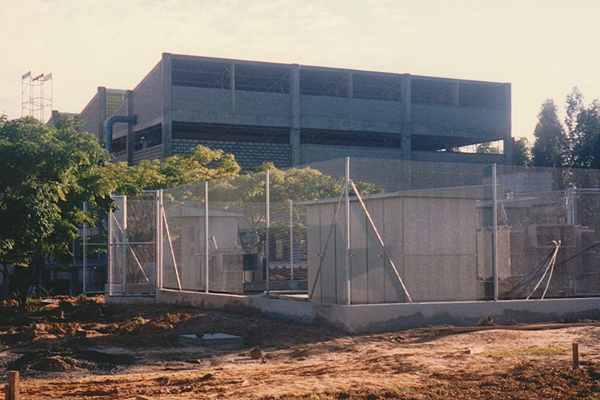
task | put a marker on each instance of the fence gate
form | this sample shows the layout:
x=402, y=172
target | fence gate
x=133, y=245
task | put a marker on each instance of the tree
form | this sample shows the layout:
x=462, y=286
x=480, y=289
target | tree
x=201, y=165
x=550, y=144
x=583, y=124
x=521, y=152
x=46, y=173
x=486, y=148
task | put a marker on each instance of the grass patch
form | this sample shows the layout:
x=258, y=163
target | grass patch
x=533, y=351
x=398, y=390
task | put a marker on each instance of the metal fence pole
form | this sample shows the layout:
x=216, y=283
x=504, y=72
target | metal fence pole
x=110, y=254
x=161, y=260
x=157, y=240
x=124, y=243
x=84, y=255
x=495, y=230
x=268, y=223
x=206, y=248
x=291, y=240
x=347, y=227
x=571, y=206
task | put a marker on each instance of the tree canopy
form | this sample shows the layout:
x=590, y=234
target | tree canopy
x=583, y=128
x=46, y=174
x=550, y=139
x=576, y=143
x=201, y=165
x=521, y=152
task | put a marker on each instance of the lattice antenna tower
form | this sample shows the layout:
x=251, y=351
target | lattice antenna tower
x=34, y=95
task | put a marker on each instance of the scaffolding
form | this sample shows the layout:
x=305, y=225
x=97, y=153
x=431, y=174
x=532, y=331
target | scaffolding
x=35, y=98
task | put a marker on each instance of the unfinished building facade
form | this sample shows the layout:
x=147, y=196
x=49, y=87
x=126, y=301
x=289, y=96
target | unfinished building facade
x=291, y=114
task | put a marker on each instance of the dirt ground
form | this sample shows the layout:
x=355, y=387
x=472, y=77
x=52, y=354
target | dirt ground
x=69, y=348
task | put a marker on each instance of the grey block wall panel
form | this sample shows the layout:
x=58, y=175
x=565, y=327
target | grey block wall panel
x=351, y=102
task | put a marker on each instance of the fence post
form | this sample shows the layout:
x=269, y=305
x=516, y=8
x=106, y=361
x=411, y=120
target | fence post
x=110, y=253
x=84, y=255
x=347, y=227
x=291, y=240
x=571, y=206
x=495, y=230
x=158, y=234
x=206, y=248
x=124, y=244
x=268, y=223
x=12, y=389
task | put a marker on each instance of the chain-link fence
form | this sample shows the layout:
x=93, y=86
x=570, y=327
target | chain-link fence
x=132, y=245
x=366, y=231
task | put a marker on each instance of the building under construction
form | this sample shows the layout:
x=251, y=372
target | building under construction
x=293, y=114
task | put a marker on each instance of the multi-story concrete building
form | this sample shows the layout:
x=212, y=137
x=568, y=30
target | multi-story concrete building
x=292, y=114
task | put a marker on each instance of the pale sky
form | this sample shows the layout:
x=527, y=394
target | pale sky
x=542, y=47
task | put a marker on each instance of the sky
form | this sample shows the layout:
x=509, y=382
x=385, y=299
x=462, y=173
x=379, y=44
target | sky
x=543, y=48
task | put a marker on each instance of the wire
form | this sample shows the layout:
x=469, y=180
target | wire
x=550, y=266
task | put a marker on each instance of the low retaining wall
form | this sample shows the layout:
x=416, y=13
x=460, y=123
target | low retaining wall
x=384, y=317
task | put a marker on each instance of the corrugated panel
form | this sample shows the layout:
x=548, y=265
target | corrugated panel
x=113, y=99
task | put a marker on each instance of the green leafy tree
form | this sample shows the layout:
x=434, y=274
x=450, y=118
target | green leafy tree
x=550, y=144
x=46, y=173
x=201, y=165
x=583, y=125
x=486, y=148
x=521, y=151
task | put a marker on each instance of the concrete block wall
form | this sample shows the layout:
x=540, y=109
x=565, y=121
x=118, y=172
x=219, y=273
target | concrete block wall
x=150, y=153
x=314, y=153
x=249, y=155
x=148, y=99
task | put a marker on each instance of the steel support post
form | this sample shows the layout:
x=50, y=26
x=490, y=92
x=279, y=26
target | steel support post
x=495, y=230
x=206, y=247
x=291, y=240
x=268, y=223
x=347, y=228
x=84, y=255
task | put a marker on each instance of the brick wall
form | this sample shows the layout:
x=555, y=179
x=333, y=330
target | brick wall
x=249, y=155
x=149, y=153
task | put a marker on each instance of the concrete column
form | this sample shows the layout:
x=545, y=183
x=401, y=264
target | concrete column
x=232, y=78
x=101, y=114
x=295, y=113
x=351, y=85
x=455, y=94
x=130, y=134
x=167, y=123
x=55, y=119
x=508, y=140
x=406, y=114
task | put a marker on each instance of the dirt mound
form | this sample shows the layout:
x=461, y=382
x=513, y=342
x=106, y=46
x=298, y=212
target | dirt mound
x=60, y=359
